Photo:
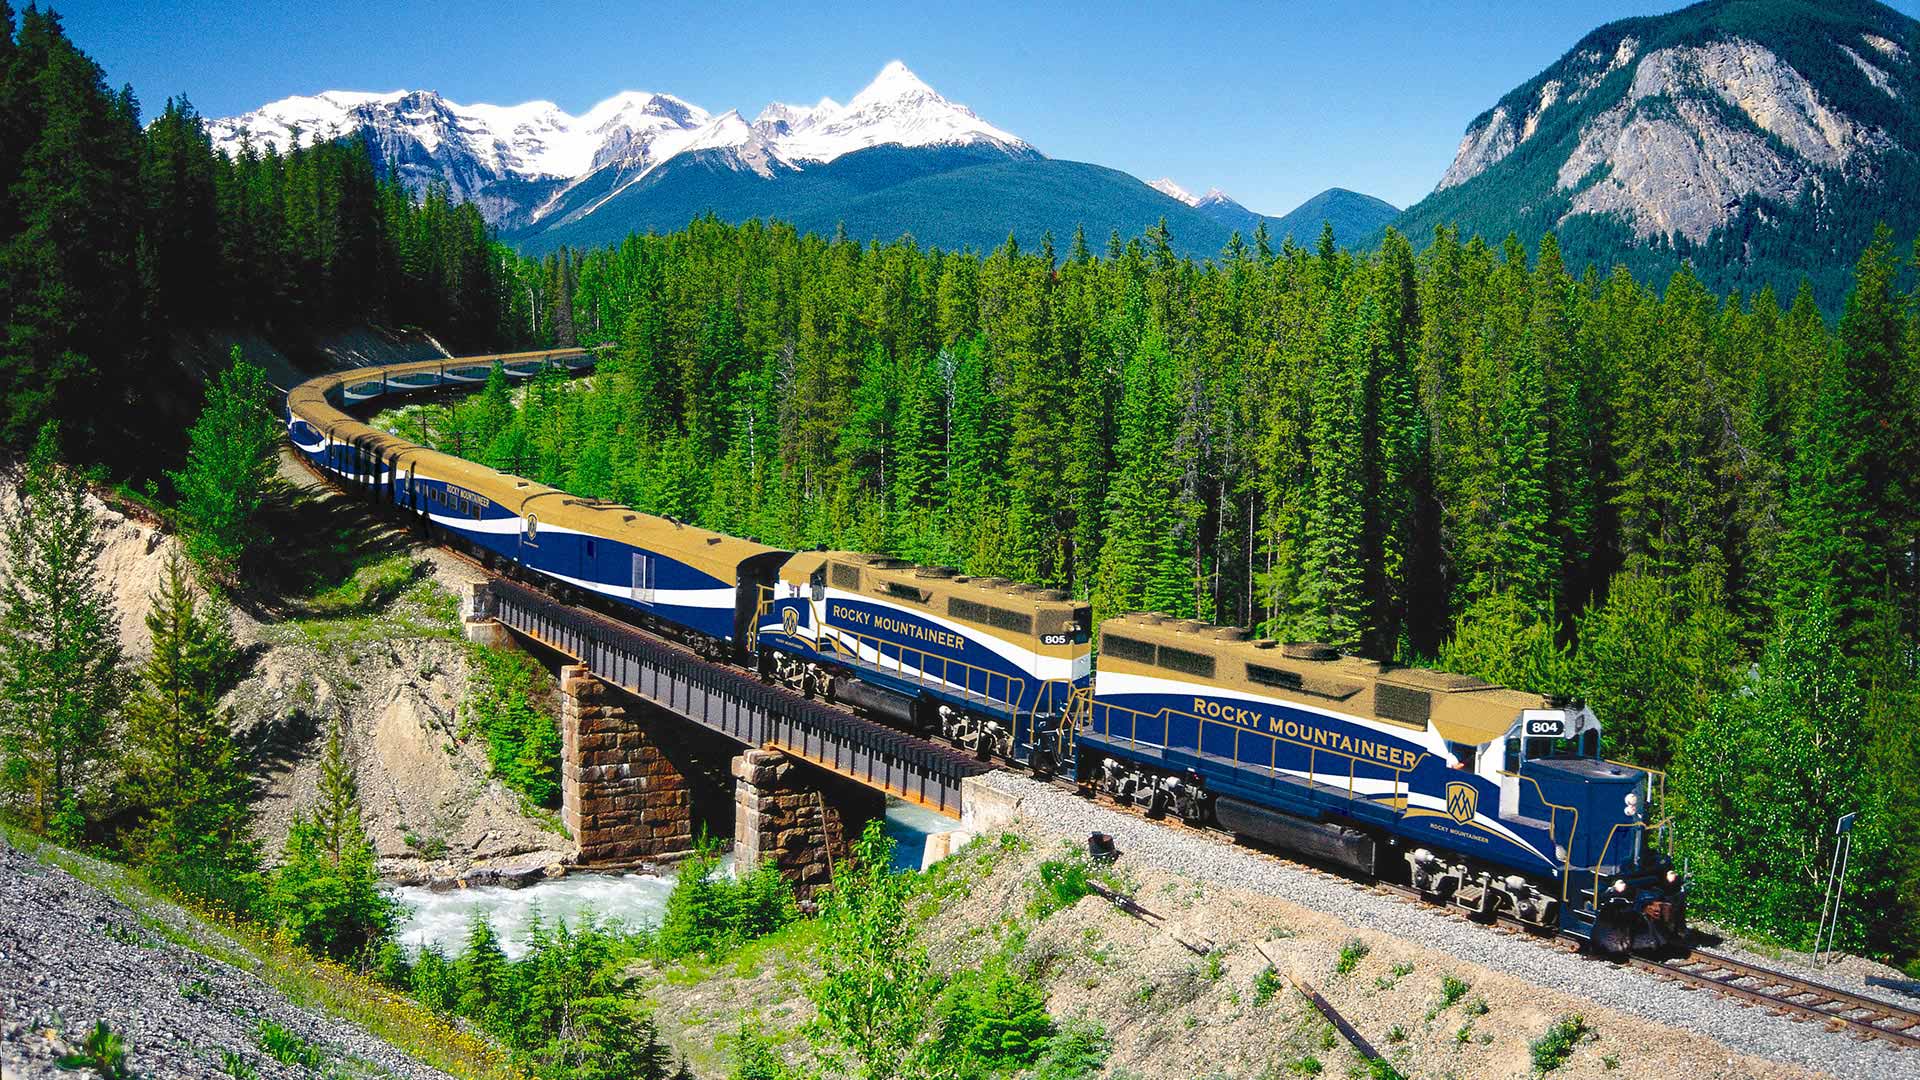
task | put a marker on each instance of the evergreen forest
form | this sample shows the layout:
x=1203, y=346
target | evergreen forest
x=123, y=247
x=1696, y=512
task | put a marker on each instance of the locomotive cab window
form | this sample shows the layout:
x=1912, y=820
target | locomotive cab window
x=1466, y=754
x=817, y=583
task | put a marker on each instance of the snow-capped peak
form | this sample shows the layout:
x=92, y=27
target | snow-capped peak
x=895, y=108
x=1214, y=196
x=894, y=81
x=1167, y=187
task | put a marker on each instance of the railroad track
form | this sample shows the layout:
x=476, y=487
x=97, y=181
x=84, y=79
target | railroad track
x=1797, y=999
x=1789, y=996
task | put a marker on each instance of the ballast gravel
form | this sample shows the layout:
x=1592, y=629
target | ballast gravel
x=1210, y=858
x=71, y=956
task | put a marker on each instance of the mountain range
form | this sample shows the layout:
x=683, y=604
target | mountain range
x=1760, y=141
x=896, y=158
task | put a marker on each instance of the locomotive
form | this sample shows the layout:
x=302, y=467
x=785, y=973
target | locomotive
x=1484, y=797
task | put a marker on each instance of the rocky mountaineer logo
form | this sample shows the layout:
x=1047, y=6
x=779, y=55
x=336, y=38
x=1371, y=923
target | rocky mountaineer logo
x=790, y=620
x=1462, y=801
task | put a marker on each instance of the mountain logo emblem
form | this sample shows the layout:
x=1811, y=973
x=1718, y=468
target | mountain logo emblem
x=789, y=620
x=1463, y=800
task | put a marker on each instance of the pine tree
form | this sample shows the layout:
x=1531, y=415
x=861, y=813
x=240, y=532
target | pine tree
x=186, y=773
x=483, y=975
x=59, y=650
x=230, y=459
x=326, y=893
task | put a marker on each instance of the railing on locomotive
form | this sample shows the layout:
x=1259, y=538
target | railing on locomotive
x=1166, y=717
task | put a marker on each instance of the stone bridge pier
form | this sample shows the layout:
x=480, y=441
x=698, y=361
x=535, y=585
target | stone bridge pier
x=804, y=818
x=638, y=784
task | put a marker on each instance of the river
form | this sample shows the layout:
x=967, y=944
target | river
x=441, y=918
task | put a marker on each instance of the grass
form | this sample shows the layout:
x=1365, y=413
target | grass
x=309, y=982
x=1550, y=1051
x=101, y=1051
x=287, y=1048
x=1351, y=954
x=1265, y=985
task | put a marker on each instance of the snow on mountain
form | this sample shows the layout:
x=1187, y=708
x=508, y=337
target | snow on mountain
x=424, y=139
x=529, y=141
x=896, y=108
x=1214, y=197
x=1167, y=187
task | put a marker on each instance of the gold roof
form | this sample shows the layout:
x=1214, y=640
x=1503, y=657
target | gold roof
x=710, y=552
x=1461, y=708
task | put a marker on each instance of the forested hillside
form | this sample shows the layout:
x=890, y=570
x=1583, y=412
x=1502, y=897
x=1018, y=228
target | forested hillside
x=118, y=242
x=1689, y=509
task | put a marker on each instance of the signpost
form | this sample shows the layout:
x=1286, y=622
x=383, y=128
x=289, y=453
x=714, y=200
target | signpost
x=1836, y=884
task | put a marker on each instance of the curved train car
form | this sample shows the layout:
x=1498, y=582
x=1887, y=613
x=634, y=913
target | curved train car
x=1488, y=797
x=702, y=585
x=983, y=661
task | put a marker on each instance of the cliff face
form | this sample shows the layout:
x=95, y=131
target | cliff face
x=1734, y=131
x=391, y=673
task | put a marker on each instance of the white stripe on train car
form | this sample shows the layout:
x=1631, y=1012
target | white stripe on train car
x=689, y=598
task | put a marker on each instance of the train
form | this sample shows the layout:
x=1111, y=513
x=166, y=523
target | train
x=1494, y=800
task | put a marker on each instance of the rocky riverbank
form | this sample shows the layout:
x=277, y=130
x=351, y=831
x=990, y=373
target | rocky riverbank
x=72, y=955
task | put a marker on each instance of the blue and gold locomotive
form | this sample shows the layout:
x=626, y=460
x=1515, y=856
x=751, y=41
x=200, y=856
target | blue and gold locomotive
x=1484, y=797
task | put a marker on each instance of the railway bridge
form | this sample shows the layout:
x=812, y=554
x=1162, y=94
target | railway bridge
x=656, y=741
x=643, y=722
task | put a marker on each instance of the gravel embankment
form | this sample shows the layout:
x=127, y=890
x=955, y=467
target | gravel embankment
x=71, y=955
x=1212, y=859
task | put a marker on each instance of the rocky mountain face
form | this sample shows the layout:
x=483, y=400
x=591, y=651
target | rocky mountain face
x=1718, y=131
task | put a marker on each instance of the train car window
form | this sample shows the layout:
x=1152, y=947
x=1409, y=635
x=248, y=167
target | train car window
x=1120, y=648
x=1186, y=661
x=1273, y=676
x=846, y=577
x=1082, y=628
x=1590, y=743
x=817, y=582
x=1513, y=754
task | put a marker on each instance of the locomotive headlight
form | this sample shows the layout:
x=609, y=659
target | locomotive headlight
x=1620, y=886
x=1633, y=804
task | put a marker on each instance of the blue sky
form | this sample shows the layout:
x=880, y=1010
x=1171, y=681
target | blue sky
x=1270, y=102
